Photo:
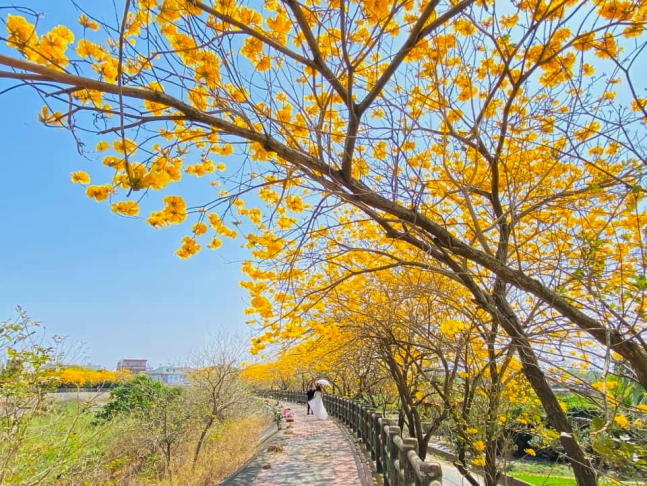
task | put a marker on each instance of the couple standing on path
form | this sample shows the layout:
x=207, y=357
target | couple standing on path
x=315, y=402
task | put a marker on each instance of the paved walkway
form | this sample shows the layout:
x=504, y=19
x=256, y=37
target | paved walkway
x=451, y=476
x=314, y=453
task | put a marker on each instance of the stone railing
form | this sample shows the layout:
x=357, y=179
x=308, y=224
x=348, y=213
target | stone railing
x=394, y=456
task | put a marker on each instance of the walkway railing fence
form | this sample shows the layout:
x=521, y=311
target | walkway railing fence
x=394, y=456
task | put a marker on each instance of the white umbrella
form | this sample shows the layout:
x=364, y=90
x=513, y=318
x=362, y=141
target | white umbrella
x=323, y=382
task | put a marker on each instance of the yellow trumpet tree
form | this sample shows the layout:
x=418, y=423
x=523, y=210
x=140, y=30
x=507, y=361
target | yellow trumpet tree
x=350, y=279
x=78, y=377
x=449, y=363
x=348, y=363
x=476, y=132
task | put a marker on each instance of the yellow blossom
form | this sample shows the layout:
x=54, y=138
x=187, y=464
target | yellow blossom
x=127, y=208
x=80, y=177
x=87, y=23
x=621, y=420
x=98, y=193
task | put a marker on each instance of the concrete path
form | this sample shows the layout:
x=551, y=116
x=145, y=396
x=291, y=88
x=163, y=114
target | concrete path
x=314, y=453
x=451, y=476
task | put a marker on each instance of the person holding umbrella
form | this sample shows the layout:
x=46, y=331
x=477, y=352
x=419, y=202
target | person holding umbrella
x=316, y=404
x=310, y=394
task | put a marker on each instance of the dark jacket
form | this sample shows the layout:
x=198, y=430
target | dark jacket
x=310, y=394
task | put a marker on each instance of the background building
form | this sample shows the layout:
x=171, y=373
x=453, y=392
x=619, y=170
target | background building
x=136, y=366
x=169, y=375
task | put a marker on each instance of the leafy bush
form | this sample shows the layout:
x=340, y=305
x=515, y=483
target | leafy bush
x=137, y=395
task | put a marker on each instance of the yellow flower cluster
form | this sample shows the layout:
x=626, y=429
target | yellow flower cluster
x=98, y=193
x=87, y=96
x=87, y=23
x=200, y=169
x=188, y=249
x=126, y=208
x=621, y=420
x=49, y=50
x=295, y=204
x=219, y=227
x=479, y=461
x=174, y=212
x=80, y=177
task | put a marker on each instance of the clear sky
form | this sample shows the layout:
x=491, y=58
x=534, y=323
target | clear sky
x=110, y=282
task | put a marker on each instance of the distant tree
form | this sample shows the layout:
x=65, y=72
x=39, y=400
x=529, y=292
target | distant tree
x=217, y=390
x=139, y=395
x=159, y=414
x=78, y=376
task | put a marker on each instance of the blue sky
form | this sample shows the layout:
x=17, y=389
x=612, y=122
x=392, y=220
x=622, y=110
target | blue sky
x=110, y=282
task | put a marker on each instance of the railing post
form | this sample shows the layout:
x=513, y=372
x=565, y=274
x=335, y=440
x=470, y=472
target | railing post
x=427, y=474
x=347, y=414
x=408, y=474
x=358, y=419
x=384, y=424
x=349, y=410
x=362, y=424
x=366, y=430
x=392, y=452
x=375, y=452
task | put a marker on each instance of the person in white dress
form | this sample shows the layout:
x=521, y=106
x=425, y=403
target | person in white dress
x=317, y=405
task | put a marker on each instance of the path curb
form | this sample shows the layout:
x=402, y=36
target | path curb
x=364, y=469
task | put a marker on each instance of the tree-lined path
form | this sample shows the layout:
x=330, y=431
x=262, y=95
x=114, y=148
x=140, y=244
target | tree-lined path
x=315, y=452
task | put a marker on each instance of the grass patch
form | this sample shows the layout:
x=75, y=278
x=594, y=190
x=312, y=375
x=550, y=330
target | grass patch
x=544, y=480
x=56, y=442
x=540, y=480
x=536, y=468
x=65, y=445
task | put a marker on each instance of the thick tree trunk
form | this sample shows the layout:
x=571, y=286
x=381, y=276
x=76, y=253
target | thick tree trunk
x=584, y=472
x=490, y=469
x=582, y=468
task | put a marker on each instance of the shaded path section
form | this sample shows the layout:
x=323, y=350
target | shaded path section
x=315, y=453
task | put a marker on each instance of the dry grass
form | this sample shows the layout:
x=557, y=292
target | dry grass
x=236, y=444
x=129, y=461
